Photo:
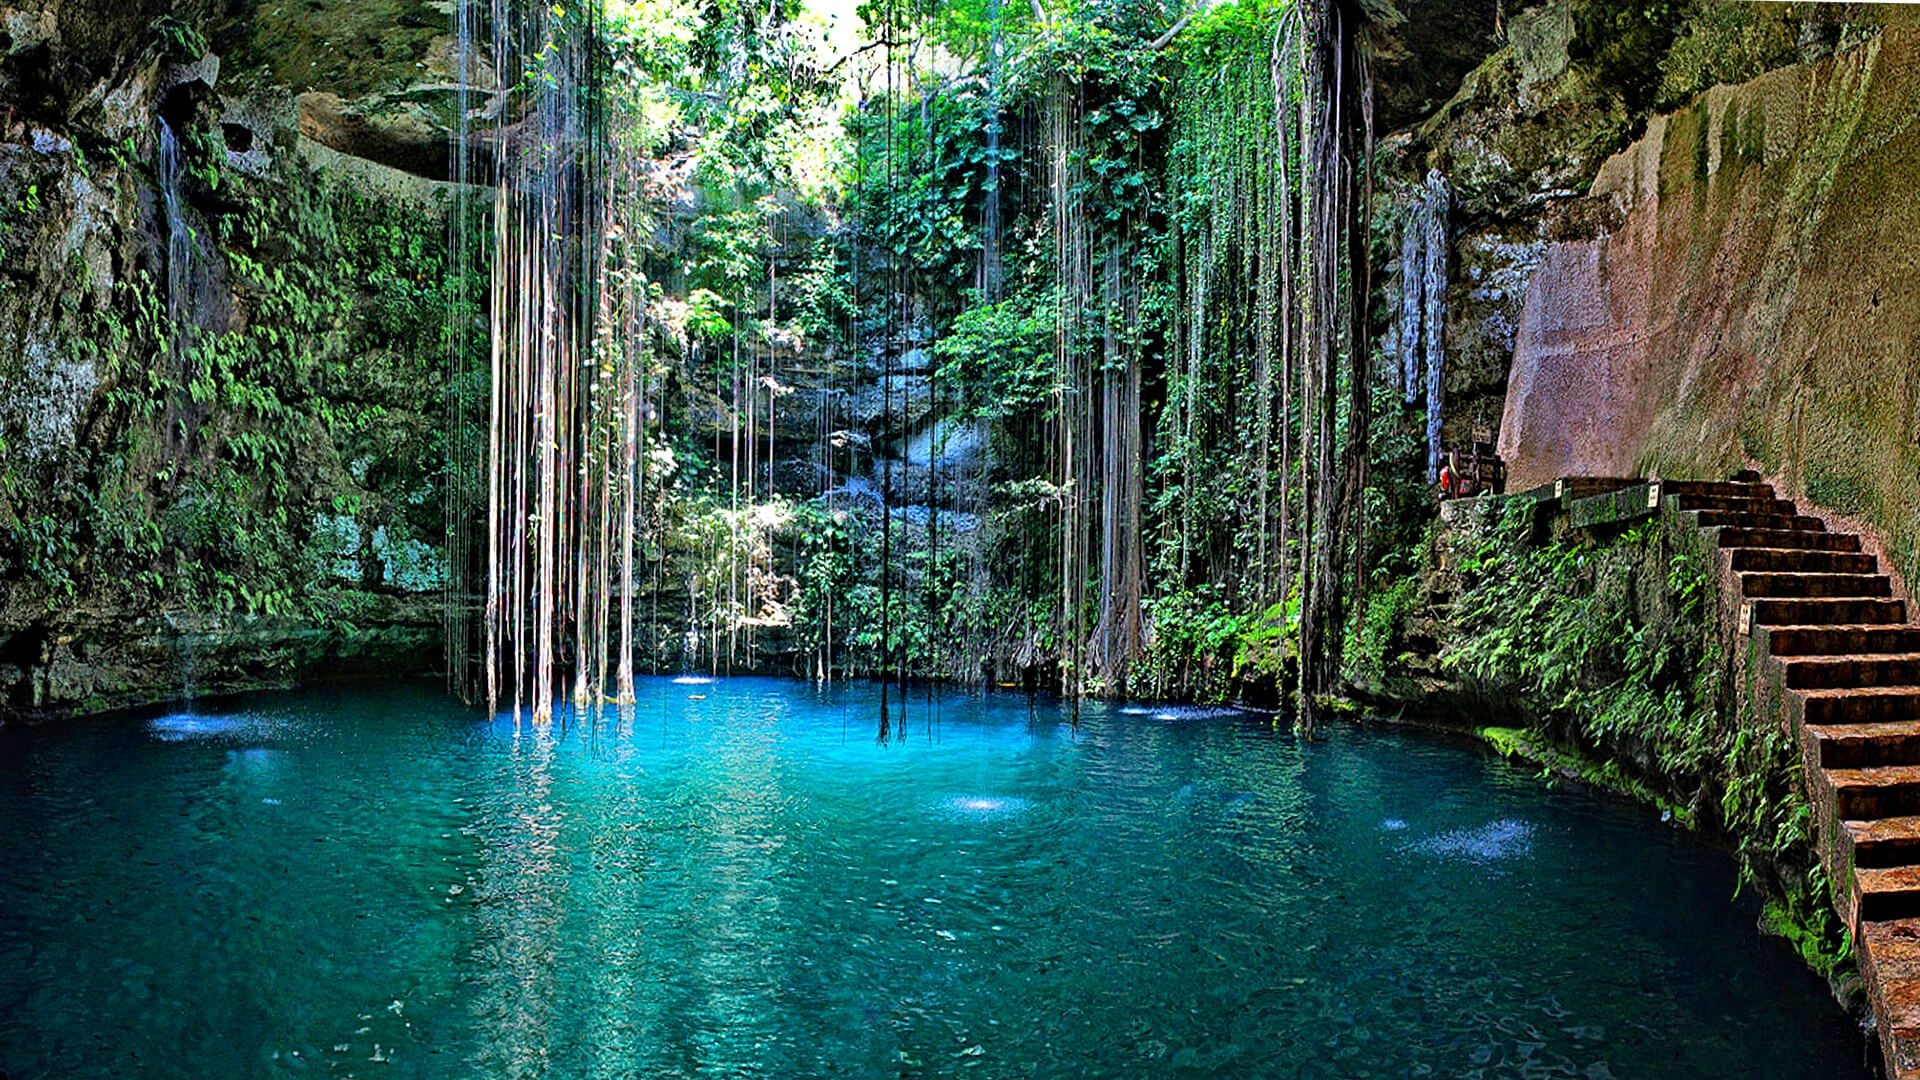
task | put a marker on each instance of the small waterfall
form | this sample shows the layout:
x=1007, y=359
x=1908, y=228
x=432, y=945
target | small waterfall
x=1423, y=302
x=990, y=270
x=1412, y=303
x=184, y=634
x=1438, y=201
x=179, y=282
x=187, y=651
x=179, y=235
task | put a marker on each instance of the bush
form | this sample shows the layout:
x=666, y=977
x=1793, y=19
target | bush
x=1614, y=648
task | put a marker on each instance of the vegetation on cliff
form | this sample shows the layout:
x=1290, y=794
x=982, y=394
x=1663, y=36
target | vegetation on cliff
x=1031, y=344
x=1612, y=655
x=974, y=341
x=1015, y=345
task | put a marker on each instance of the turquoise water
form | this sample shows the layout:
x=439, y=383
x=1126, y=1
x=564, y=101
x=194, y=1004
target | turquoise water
x=737, y=880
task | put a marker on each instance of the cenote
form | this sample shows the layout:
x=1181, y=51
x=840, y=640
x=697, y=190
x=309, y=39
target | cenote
x=734, y=877
x=1161, y=399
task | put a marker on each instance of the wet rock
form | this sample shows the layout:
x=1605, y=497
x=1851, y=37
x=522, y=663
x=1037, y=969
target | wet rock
x=1440, y=41
x=401, y=135
x=92, y=661
x=254, y=129
x=201, y=74
x=889, y=408
x=914, y=361
x=952, y=445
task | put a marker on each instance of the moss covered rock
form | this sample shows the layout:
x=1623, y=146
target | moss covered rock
x=1751, y=306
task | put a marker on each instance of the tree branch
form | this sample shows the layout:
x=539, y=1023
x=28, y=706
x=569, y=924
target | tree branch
x=1173, y=31
x=1179, y=24
x=868, y=47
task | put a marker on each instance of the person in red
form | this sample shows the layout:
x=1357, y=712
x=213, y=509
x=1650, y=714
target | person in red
x=1448, y=486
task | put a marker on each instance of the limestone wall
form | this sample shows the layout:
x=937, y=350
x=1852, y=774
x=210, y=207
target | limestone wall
x=1757, y=302
x=221, y=356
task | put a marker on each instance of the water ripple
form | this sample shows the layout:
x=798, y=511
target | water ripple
x=749, y=884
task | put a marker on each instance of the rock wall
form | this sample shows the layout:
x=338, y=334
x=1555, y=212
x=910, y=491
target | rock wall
x=1751, y=300
x=222, y=347
x=1566, y=85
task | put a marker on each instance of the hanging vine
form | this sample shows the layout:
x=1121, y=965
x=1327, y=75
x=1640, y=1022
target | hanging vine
x=1124, y=253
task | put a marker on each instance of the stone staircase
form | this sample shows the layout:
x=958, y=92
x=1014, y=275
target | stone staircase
x=1847, y=663
x=1841, y=659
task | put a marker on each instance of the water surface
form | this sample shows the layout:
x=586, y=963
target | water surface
x=736, y=879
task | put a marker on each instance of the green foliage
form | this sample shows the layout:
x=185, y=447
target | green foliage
x=825, y=567
x=1222, y=35
x=920, y=182
x=1218, y=473
x=1726, y=43
x=1614, y=648
x=747, y=76
x=823, y=299
x=1626, y=42
x=178, y=38
x=707, y=316
x=220, y=450
x=1589, y=638
x=1201, y=648
x=1375, y=631
x=1000, y=357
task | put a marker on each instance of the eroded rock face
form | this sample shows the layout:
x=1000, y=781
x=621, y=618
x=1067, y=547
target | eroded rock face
x=1516, y=142
x=1754, y=304
x=1439, y=41
x=153, y=182
x=375, y=79
x=1570, y=84
x=107, y=661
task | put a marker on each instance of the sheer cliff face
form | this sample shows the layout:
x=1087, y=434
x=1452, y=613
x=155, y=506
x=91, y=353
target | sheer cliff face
x=1525, y=141
x=219, y=354
x=1756, y=302
x=253, y=98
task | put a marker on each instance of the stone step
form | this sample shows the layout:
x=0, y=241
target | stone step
x=1881, y=791
x=1745, y=504
x=1860, y=705
x=1871, y=611
x=1716, y=488
x=1789, y=641
x=1734, y=519
x=1842, y=670
x=1796, y=561
x=1887, y=892
x=1863, y=746
x=1745, y=476
x=1805, y=540
x=1765, y=586
x=1890, y=959
x=1893, y=841
x=1851, y=666
x=1571, y=488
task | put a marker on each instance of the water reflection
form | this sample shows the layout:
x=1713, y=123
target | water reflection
x=983, y=807
x=747, y=885
x=180, y=727
x=1496, y=841
x=521, y=896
